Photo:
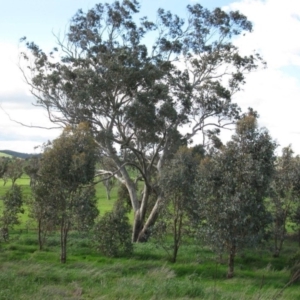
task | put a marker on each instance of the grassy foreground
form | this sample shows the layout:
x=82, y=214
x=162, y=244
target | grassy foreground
x=27, y=273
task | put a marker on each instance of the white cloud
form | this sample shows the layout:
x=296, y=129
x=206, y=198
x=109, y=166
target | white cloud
x=276, y=29
x=10, y=76
x=274, y=92
x=16, y=104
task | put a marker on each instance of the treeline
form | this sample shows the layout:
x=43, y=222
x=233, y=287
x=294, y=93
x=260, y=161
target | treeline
x=139, y=107
x=228, y=197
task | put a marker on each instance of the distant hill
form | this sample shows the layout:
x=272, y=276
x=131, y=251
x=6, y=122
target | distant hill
x=10, y=153
x=4, y=155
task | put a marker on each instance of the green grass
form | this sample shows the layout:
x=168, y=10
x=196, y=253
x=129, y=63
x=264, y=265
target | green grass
x=5, y=155
x=26, y=272
x=104, y=205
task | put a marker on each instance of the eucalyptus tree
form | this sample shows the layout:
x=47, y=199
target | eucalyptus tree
x=31, y=168
x=231, y=187
x=12, y=206
x=65, y=184
x=296, y=220
x=283, y=196
x=177, y=185
x=14, y=170
x=41, y=208
x=138, y=82
x=3, y=166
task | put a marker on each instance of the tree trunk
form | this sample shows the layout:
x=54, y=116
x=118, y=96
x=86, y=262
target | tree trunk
x=278, y=241
x=63, y=241
x=137, y=227
x=141, y=228
x=5, y=233
x=144, y=234
x=108, y=193
x=276, y=250
x=40, y=234
x=177, y=235
x=232, y=253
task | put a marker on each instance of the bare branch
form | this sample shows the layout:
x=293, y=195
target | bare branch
x=26, y=125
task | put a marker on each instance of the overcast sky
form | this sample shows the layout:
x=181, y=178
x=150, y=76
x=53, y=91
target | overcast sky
x=274, y=92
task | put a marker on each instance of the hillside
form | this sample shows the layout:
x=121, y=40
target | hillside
x=10, y=153
x=2, y=154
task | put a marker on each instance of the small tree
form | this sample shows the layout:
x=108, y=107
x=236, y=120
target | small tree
x=67, y=166
x=31, y=168
x=3, y=166
x=283, y=195
x=14, y=169
x=231, y=187
x=113, y=232
x=177, y=183
x=296, y=220
x=295, y=214
x=42, y=209
x=12, y=202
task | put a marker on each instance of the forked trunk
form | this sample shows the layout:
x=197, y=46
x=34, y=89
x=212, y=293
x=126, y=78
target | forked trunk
x=177, y=230
x=143, y=233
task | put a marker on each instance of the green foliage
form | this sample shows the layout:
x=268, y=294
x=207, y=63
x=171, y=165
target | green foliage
x=85, y=209
x=295, y=273
x=177, y=183
x=3, y=165
x=14, y=169
x=70, y=160
x=12, y=202
x=146, y=93
x=231, y=188
x=295, y=259
x=31, y=168
x=66, y=168
x=113, y=232
x=284, y=196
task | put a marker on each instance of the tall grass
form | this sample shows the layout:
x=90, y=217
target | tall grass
x=26, y=272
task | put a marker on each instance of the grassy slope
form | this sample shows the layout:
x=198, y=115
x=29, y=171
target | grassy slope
x=27, y=273
x=4, y=155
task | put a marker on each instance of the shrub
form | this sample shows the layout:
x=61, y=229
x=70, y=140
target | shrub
x=113, y=232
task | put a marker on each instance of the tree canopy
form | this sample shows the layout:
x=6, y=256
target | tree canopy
x=65, y=190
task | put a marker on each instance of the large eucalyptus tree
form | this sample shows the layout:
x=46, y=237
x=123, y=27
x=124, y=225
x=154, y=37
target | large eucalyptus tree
x=138, y=82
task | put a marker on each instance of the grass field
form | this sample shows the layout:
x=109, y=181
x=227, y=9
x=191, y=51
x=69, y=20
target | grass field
x=4, y=155
x=26, y=272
